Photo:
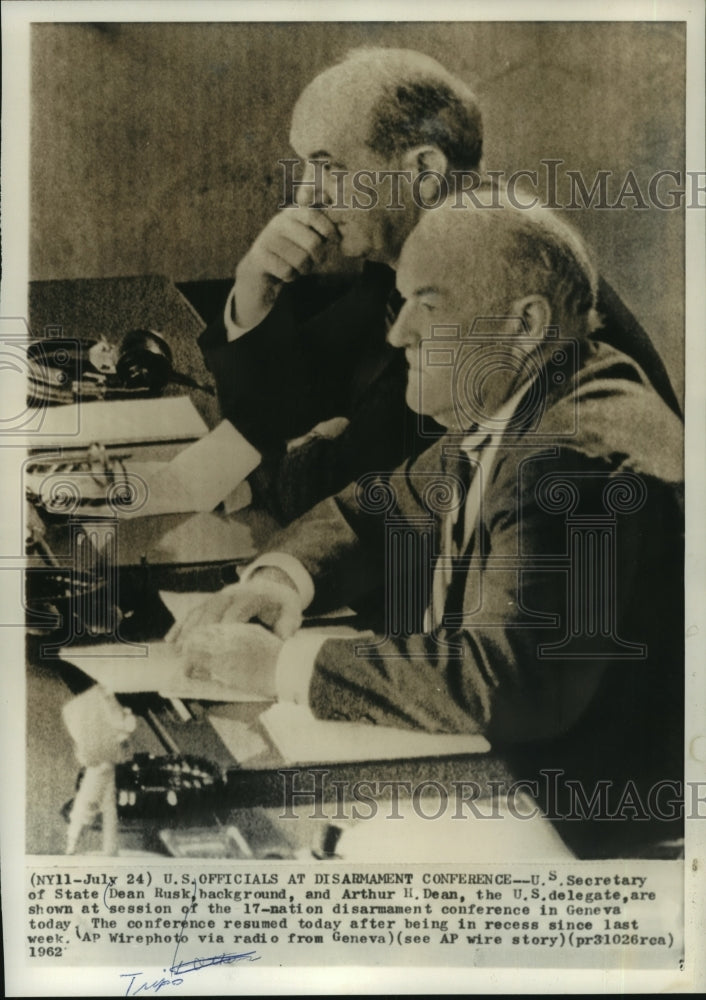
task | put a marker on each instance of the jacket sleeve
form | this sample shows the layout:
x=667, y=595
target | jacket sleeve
x=621, y=329
x=341, y=541
x=270, y=384
x=294, y=369
x=484, y=671
x=380, y=434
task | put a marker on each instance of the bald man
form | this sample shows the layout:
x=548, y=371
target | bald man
x=552, y=512
x=301, y=360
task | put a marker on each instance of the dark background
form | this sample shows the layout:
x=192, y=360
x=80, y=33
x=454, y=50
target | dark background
x=155, y=146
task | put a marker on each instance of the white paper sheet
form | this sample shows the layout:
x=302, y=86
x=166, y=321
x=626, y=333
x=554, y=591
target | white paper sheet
x=211, y=468
x=303, y=739
x=161, y=670
x=121, y=421
x=199, y=477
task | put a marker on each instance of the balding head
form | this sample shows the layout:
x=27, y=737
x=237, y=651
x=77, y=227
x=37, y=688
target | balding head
x=499, y=255
x=402, y=99
x=379, y=113
x=482, y=286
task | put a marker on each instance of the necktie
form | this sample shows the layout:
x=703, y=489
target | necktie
x=458, y=524
x=474, y=460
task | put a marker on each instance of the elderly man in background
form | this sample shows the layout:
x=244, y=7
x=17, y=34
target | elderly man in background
x=299, y=356
x=555, y=557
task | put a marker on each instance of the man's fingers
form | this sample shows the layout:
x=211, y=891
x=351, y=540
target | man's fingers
x=274, y=605
x=249, y=607
x=276, y=267
x=290, y=245
x=288, y=622
x=314, y=218
x=210, y=612
x=283, y=617
x=299, y=258
x=305, y=237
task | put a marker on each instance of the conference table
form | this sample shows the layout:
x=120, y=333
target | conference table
x=251, y=814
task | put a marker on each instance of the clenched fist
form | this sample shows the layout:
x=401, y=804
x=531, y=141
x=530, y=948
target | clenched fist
x=292, y=243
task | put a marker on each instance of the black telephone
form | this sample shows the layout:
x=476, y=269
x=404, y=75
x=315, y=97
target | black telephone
x=63, y=370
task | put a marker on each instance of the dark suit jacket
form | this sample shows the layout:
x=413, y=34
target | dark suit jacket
x=321, y=353
x=603, y=715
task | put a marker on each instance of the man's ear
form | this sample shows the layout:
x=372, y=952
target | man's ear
x=533, y=314
x=421, y=159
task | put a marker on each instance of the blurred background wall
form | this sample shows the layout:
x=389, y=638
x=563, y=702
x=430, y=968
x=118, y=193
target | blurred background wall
x=155, y=146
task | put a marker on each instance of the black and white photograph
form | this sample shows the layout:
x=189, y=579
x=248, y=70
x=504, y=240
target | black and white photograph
x=352, y=439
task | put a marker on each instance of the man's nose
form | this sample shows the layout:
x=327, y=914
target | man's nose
x=402, y=332
x=311, y=191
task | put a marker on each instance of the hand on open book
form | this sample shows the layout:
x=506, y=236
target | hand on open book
x=240, y=656
x=266, y=598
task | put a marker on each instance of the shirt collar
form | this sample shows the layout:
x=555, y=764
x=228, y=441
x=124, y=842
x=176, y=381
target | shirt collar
x=481, y=437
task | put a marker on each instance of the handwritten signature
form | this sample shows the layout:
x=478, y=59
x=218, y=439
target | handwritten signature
x=139, y=984
x=178, y=969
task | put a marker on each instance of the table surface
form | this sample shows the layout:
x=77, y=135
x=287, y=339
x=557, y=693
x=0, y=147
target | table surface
x=111, y=307
x=254, y=794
